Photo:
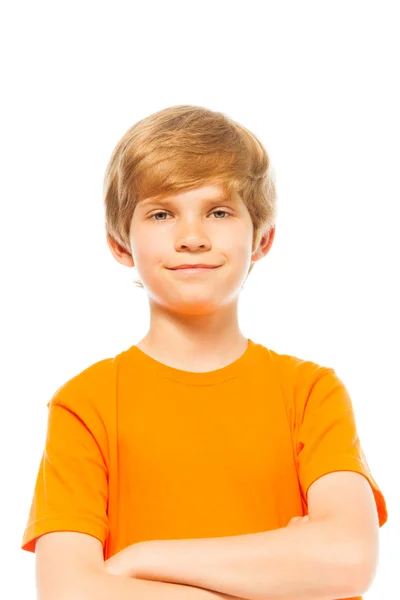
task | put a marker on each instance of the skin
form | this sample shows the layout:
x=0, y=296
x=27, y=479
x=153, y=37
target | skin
x=193, y=318
x=132, y=560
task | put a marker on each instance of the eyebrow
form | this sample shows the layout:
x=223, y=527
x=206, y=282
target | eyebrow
x=170, y=200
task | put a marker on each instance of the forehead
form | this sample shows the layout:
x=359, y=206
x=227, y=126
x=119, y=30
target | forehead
x=204, y=194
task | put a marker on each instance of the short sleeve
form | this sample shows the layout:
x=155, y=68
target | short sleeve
x=71, y=490
x=328, y=440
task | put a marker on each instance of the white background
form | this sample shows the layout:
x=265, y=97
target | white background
x=318, y=82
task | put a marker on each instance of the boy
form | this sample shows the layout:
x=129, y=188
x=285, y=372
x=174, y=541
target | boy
x=198, y=463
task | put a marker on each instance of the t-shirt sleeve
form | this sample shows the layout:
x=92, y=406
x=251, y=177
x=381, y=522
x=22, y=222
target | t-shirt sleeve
x=71, y=490
x=327, y=438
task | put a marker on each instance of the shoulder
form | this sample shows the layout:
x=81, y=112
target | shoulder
x=300, y=373
x=300, y=378
x=85, y=384
x=92, y=392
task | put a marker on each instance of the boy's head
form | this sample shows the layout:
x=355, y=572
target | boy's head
x=159, y=208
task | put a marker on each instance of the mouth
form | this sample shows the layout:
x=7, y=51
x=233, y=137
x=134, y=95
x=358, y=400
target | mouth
x=187, y=270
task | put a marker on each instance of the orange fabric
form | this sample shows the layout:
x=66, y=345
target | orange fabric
x=137, y=450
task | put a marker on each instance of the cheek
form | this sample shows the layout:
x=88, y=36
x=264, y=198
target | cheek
x=233, y=239
x=239, y=248
x=149, y=248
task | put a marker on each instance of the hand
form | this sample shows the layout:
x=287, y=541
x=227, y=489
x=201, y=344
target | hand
x=297, y=520
x=126, y=562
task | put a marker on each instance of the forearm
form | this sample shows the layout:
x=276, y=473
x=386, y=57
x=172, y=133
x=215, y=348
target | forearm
x=307, y=561
x=104, y=586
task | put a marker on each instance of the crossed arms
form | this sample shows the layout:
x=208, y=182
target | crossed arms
x=332, y=555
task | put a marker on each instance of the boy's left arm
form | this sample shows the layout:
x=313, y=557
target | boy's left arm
x=333, y=555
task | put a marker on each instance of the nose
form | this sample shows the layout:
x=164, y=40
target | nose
x=192, y=237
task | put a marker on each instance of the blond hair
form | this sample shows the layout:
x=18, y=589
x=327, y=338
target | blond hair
x=181, y=148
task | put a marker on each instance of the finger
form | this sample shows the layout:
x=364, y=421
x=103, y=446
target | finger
x=297, y=519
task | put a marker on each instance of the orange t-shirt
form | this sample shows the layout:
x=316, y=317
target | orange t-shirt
x=137, y=450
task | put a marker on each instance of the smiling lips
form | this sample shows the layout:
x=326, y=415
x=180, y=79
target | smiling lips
x=194, y=269
x=199, y=266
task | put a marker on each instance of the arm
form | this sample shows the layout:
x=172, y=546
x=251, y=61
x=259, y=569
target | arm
x=70, y=566
x=304, y=561
x=116, y=587
x=332, y=555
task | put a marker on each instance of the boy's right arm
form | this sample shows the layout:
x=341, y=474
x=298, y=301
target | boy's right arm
x=70, y=566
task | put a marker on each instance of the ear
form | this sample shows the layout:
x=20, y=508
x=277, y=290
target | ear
x=120, y=254
x=264, y=245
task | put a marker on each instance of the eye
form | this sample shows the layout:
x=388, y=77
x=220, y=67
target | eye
x=221, y=211
x=163, y=212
